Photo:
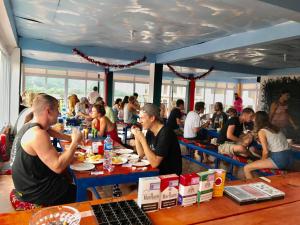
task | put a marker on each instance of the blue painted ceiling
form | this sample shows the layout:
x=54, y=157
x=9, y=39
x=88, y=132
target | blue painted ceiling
x=155, y=26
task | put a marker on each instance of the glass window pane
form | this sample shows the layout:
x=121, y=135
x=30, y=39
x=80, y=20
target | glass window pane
x=231, y=85
x=94, y=83
x=248, y=86
x=166, y=96
x=219, y=95
x=56, y=87
x=76, y=87
x=210, y=84
x=221, y=85
x=229, y=99
x=35, y=84
x=143, y=92
x=199, y=94
x=179, y=92
x=209, y=100
x=249, y=99
x=122, y=89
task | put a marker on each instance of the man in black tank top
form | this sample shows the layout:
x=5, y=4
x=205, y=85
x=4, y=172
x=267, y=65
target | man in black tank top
x=37, y=166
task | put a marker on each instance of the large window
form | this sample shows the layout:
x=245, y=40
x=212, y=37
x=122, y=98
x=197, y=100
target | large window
x=122, y=89
x=143, y=91
x=35, y=84
x=211, y=92
x=94, y=83
x=250, y=95
x=56, y=87
x=76, y=87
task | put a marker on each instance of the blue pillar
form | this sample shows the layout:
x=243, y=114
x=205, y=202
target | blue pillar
x=156, y=79
x=108, y=87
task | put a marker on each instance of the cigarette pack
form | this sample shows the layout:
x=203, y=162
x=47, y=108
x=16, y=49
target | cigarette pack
x=149, y=193
x=206, y=183
x=169, y=190
x=188, y=188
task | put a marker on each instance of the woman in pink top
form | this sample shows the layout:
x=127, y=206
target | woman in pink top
x=238, y=103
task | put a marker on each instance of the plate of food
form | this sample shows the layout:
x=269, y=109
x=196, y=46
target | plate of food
x=95, y=159
x=143, y=162
x=130, y=156
x=117, y=160
x=123, y=151
x=82, y=166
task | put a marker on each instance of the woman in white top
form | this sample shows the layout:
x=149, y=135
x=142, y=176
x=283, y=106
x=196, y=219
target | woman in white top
x=275, y=149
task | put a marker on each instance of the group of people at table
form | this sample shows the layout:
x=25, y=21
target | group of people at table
x=38, y=169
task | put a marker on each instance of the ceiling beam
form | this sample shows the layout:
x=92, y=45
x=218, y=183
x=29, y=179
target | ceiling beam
x=214, y=76
x=285, y=72
x=93, y=51
x=287, y=4
x=221, y=66
x=277, y=33
x=8, y=33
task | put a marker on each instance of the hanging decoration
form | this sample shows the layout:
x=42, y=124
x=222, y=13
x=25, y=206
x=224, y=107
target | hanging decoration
x=191, y=77
x=108, y=65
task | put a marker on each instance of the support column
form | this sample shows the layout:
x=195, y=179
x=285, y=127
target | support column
x=108, y=87
x=156, y=72
x=191, y=97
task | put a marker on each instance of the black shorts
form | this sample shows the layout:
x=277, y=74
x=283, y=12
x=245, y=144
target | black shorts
x=68, y=197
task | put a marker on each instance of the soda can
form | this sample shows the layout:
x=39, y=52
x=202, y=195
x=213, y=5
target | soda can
x=219, y=184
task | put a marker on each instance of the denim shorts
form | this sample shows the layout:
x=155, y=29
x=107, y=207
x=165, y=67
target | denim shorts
x=283, y=159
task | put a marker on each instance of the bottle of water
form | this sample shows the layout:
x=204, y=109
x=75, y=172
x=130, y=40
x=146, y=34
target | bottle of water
x=108, y=147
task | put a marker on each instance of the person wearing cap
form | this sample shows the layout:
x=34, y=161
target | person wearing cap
x=160, y=145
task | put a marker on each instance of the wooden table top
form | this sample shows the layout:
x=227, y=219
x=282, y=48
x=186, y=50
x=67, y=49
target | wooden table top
x=218, y=209
x=277, y=215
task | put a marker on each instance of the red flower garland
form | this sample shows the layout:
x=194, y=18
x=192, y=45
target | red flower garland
x=190, y=78
x=107, y=65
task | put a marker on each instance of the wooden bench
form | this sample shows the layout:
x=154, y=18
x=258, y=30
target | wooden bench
x=233, y=161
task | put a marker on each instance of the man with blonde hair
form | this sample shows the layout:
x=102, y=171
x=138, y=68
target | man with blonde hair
x=37, y=167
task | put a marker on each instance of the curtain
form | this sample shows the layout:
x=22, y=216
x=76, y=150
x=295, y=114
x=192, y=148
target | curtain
x=4, y=89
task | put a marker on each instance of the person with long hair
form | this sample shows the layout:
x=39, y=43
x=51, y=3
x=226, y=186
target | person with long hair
x=275, y=149
x=103, y=124
x=219, y=117
x=121, y=110
x=279, y=114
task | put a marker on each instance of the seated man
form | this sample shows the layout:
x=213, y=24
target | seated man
x=37, y=168
x=160, y=145
x=174, y=121
x=231, y=141
x=192, y=123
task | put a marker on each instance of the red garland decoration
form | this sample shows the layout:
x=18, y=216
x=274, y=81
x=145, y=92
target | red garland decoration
x=190, y=78
x=107, y=65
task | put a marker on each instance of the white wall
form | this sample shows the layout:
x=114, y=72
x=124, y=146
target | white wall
x=15, y=84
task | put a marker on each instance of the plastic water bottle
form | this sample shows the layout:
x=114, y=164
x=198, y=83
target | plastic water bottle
x=108, y=147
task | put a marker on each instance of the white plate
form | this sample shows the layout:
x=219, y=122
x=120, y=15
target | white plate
x=144, y=162
x=122, y=161
x=123, y=151
x=86, y=148
x=130, y=156
x=94, y=162
x=82, y=166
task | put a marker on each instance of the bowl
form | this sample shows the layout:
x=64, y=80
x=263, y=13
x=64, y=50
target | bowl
x=58, y=215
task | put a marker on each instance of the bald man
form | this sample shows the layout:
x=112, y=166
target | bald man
x=37, y=167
